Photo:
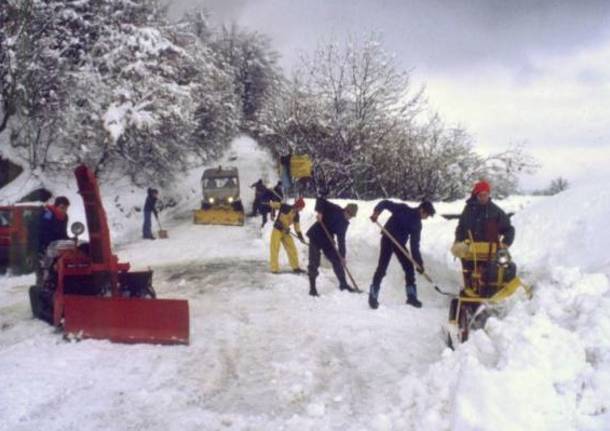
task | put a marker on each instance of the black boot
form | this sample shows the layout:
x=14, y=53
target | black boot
x=348, y=288
x=373, y=297
x=312, y=287
x=412, y=296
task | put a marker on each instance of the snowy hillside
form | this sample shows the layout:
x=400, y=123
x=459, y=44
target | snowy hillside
x=266, y=356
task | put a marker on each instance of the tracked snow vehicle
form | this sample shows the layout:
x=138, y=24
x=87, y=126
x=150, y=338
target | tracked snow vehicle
x=489, y=277
x=221, y=203
x=85, y=290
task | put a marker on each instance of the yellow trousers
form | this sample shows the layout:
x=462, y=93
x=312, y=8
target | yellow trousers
x=277, y=237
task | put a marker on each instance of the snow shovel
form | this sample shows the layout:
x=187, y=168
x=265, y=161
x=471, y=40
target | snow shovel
x=408, y=256
x=162, y=233
x=349, y=274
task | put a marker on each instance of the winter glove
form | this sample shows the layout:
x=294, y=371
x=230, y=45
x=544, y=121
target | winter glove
x=300, y=237
x=374, y=217
x=420, y=269
x=460, y=249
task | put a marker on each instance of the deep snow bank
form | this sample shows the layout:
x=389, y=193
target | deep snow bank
x=546, y=365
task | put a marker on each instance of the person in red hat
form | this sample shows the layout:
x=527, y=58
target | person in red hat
x=483, y=220
x=287, y=216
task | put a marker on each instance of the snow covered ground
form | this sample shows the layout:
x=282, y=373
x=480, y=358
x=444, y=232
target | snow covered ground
x=266, y=356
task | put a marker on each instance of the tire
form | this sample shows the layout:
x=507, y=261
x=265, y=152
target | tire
x=470, y=319
x=41, y=304
x=466, y=313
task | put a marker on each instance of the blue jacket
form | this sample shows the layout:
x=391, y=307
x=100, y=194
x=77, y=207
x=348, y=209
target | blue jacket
x=404, y=223
x=334, y=219
x=53, y=226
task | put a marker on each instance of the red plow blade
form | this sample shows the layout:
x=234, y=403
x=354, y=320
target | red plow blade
x=127, y=320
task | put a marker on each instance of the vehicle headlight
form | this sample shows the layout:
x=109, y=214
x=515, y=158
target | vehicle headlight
x=211, y=200
x=230, y=199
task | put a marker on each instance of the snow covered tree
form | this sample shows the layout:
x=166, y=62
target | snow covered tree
x=344, y=107
x=254, y=67
x=114, y=85
x=371, y=134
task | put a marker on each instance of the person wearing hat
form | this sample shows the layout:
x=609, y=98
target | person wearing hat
x=53, y=226
x=404, y=224
x=287, y=216
x=332, y=221
x=483, y=220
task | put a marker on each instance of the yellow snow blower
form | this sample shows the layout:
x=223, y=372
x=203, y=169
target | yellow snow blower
x=490, y=277
x=221, y=203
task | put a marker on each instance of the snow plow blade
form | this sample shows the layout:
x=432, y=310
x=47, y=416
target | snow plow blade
x=219, y=216
x=127, y=320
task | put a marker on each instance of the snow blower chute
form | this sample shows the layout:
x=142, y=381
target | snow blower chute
x=85, y=289
x=490, y=277
x=221, y=203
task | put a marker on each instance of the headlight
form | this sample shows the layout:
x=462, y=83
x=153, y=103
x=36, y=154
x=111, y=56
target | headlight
x=230, y=200
x=211, y=200
x=503, y=257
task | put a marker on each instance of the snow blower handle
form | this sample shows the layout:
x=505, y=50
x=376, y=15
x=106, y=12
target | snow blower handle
x=406, y=253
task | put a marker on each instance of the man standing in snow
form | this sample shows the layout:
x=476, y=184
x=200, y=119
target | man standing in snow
x=149, y=209
x=404, y=223
x=332, y=220
x=259, y=190
x=287, y=216
x=484, y=220
x=53, y=223
x=53, y=227
x=481, y=221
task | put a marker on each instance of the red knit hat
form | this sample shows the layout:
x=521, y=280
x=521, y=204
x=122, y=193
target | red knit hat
x=481, y=186
x=299, y=203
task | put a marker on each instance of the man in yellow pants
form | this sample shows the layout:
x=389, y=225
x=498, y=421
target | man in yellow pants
x=287, y=216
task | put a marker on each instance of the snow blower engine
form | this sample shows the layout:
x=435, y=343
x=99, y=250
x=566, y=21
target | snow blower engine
x=83, y=288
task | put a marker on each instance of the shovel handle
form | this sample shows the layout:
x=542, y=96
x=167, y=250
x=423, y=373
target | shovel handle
x=404, y=251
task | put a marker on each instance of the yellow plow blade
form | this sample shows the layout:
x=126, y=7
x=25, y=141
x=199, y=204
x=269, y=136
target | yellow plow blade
x=219, y=216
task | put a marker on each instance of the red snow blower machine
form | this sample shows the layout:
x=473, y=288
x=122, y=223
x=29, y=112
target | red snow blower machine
x=83, y=288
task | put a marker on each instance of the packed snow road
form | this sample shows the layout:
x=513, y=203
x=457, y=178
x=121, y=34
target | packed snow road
x=263, y=354
x=266, y=356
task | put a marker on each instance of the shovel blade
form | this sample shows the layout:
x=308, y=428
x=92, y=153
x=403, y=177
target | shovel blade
x=127, y=320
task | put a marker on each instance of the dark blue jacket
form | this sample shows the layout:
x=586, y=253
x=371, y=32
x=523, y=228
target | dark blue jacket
x=334, y=219
x=53, y=226
x=150, y=204
x=404, y=223
x=486, y=223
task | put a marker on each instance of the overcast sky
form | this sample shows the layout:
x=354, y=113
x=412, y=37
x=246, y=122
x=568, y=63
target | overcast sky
x=527, y=71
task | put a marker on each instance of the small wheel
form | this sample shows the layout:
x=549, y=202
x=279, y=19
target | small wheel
x=466, y=312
